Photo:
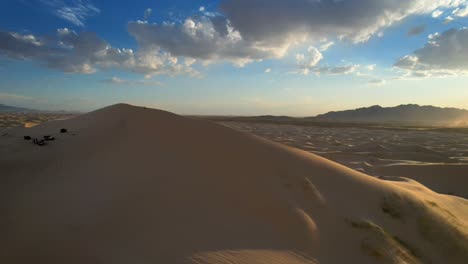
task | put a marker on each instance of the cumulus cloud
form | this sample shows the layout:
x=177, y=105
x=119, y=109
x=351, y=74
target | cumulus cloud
x=244, y=31
x=309, y=63
x=74, y=11
x=19, y=46
x=357, y=20
x=443, y=55
x=313, y=57
x=267, y=70
x=417, y=30
x=85, y=52
x=210, y=39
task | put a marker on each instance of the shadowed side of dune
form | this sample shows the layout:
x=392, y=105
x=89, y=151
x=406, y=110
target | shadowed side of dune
x=443, y=178
x=129, y=184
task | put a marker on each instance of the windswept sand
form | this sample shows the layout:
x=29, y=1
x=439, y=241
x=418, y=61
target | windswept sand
x=439, y=160
x=135, y=185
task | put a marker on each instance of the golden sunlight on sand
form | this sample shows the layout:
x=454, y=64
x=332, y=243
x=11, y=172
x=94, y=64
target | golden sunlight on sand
x=127, y=184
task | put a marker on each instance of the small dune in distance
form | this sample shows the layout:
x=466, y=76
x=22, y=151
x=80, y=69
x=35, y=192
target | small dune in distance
x=128, y=184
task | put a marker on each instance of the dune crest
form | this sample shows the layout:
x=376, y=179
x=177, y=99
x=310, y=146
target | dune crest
x=128, y=184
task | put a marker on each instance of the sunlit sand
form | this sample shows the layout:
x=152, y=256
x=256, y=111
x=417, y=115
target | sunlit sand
x=127, y=184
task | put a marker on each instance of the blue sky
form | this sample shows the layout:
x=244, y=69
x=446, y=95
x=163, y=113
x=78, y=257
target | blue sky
x=234, y=57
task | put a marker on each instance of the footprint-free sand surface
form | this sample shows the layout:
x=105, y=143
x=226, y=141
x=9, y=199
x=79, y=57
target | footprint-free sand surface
x=134, y=185
x=439, y=160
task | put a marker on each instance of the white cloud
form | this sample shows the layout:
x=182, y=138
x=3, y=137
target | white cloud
x=246, y=32
x=209, y=39
x=84, y=53
x=371, y=67
x=444, y=54
x=74, y=11
x=243, y=33
x=315, y=56
x=18, y=46
x=295, y=20
x=147, y=13
x=448, y=19
x=309, y=60
x=326, y=46
x=437, y=13
x=461, y=12
x=309, y=63
x=300, y=57
x=267, y=70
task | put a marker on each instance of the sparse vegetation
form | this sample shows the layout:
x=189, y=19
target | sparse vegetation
x=415, y=252
x=381, y=245
x=434, y=223
x=9, y=120
x=361, y=224
x=451, y=238
x=390, y=206
x=370, y=250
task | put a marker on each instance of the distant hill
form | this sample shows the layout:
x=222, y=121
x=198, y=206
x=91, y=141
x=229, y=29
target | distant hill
x=14, y=109
x=406, y=114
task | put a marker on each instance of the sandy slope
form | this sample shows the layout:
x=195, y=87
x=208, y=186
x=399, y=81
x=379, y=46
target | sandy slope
x=134, y=185
x=442, y=178
x=436, y=159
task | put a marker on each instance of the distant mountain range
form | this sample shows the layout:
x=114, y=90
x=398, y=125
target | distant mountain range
x=407, y=114
x=410, y=114
x=14, y=109
x=402, y=115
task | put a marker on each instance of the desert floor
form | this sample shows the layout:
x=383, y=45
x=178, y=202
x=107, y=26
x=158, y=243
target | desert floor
x=439, y=160
x=129, y=184
x=10, y=120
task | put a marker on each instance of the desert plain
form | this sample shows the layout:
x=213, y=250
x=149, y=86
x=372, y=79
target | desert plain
x=437, y=159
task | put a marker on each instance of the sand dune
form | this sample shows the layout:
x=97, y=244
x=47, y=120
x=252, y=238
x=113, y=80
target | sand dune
x=443, y=178
x=133, y=185
x=436, y=159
